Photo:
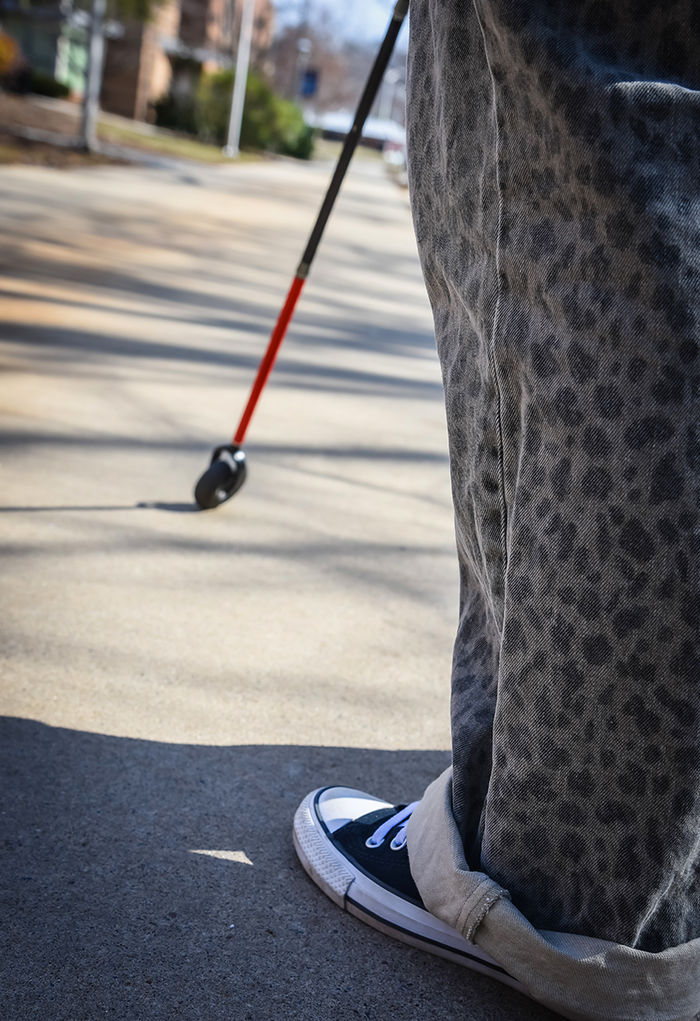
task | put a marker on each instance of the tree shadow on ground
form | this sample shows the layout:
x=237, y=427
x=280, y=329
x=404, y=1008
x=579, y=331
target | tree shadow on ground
x=145, y=880
x=338, y=311
x=51, y=349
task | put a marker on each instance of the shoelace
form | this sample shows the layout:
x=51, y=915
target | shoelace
x=400, y=819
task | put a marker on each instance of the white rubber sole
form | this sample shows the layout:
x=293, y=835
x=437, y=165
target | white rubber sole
x=385, y=911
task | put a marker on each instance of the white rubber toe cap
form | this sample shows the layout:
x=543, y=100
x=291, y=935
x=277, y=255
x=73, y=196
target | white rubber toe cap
x=317, y=855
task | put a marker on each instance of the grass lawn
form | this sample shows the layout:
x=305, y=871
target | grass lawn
x=21, y=115
x=166, y=143
x=20, y=150
x=169, y=143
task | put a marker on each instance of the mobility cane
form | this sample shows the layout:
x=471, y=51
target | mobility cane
x=227, y=470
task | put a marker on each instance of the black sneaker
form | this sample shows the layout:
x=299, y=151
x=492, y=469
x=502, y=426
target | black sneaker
x=354, y=847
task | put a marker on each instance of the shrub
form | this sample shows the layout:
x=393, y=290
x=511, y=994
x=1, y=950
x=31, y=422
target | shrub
x=269, y=122
x=176, y=113
x=213, y=106
x=46, y=85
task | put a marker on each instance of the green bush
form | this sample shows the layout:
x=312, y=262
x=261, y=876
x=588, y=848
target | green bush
x=176, y=113
x=213, y=106
x=269, y=122
x=46, y=85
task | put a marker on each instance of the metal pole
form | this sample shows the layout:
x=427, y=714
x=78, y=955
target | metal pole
x=388, y=95
x=232, y=147
x=91, y=99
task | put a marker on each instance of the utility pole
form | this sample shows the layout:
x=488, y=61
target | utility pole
x=232, y=147
x=388, y=95
x=305, y=15
x=91, y=99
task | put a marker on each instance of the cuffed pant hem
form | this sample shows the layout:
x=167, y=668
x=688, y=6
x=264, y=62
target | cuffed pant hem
x=580, y=977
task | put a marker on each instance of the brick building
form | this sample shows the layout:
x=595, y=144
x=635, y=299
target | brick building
x=139, y=66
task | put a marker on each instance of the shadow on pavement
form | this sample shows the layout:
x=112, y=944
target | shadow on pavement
x=338, y=314
x=172, y=508
x=97, y=349
x=145, y=880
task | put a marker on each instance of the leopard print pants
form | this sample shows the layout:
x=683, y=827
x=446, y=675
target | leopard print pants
x=555, y=180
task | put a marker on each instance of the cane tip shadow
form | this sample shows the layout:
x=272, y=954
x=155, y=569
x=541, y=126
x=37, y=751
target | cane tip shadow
x=161, y=505
x=172, y=508
x=181, y=508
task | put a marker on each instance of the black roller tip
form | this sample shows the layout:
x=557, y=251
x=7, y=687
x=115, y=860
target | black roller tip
x=222, y=479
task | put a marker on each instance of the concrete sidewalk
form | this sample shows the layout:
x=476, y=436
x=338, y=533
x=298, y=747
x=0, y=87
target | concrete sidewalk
x=174, y=682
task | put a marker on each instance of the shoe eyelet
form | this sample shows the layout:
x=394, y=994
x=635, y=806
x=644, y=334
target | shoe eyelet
x=372, y=843
x=398, y=843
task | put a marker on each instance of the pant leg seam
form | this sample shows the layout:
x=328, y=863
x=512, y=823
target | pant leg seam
x=492, y=345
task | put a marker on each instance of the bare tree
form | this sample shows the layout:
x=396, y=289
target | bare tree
x=341, y=66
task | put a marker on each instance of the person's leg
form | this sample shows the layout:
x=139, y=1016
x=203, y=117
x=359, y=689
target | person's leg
x=555, y=174
x=553, y=162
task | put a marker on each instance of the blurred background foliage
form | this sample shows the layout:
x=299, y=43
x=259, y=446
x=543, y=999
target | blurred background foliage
x=270, y=122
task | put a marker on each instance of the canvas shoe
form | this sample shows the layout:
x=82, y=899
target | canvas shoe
x=354, y=847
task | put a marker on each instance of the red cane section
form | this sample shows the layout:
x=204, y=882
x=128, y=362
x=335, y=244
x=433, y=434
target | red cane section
x=269, y=360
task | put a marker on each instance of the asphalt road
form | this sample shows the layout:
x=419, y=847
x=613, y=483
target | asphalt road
x=174, y=682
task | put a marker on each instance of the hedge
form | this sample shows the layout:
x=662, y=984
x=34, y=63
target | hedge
x=269, y=122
